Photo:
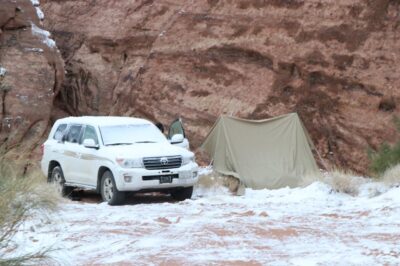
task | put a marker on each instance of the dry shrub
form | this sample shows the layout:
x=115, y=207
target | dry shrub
x=392, y=176
x=386, y=156
x=344, y=181
x=210, y=180
x=350, y=183
x=21, y=197
x=340, y=180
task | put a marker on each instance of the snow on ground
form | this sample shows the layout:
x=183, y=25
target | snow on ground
x=301, y=226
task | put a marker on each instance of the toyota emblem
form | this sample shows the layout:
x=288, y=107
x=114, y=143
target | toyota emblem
x=164, y=161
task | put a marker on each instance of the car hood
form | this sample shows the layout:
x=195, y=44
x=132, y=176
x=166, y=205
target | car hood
x=140, y=150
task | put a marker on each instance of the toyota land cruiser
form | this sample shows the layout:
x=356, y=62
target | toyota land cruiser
x=114, y=155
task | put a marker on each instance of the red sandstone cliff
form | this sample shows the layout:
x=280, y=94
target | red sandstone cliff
x=334, y=62
x=31, y=76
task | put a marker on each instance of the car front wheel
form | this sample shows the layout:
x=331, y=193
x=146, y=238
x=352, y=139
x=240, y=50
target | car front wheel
x=109, y=191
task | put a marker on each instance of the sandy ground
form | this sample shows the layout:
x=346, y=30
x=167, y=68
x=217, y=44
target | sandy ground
x=302, y=226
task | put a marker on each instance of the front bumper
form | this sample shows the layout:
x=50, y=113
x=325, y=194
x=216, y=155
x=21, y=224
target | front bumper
x=187, y=177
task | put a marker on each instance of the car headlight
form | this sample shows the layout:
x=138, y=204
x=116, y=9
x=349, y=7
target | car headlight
x=188, y=159
x=130, y=163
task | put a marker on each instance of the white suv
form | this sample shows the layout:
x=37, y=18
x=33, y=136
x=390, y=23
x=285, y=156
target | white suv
x=114, y=155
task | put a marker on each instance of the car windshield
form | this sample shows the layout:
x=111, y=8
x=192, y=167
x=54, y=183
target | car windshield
x=130, y=134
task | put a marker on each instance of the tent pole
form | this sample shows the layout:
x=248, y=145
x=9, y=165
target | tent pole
x=321, y=159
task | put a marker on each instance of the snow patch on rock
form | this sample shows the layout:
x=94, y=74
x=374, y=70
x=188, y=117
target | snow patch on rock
x=35, y=2
x=39, y=13
x=44, y=35
x=37, y=50
x=3, y=71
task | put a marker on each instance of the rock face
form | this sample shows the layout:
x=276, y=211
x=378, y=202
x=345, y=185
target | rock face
x=333, y=62
x=31, y=74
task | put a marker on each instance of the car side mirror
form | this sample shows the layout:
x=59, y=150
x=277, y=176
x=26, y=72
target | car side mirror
x=90, y=143
x=177, y=138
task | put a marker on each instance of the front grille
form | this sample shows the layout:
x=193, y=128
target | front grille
x=159, y=163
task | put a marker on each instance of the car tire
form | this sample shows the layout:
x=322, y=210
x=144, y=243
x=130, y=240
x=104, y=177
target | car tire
x=57, y=178
x=182, y=194
x=109, y=191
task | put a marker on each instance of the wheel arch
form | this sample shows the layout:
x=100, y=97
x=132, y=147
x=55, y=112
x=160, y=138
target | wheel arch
x=100, y=173
x=52, y=165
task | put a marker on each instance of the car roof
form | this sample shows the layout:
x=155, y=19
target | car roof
x=104, y=120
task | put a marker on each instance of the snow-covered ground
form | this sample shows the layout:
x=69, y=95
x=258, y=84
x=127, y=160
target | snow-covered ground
x=302, y=226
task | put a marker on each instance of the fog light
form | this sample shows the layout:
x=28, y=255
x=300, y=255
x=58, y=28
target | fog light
x=127, y=178
x=194, y=174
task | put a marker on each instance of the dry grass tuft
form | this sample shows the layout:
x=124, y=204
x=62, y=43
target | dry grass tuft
x=21, y=197
x=216, y=180
x=392, y=176
x=344, y=181
x=210, y=180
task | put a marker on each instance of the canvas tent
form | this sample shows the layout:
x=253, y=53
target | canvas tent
x=271, y=153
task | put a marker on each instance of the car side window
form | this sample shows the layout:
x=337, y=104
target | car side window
x=60, y=132
x=176, y=128
x=74, y=133
x=90, y=133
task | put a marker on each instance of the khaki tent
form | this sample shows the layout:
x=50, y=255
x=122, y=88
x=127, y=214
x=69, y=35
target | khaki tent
x=271, y=153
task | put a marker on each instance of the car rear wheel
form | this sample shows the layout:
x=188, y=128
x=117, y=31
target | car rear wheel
x=182, y=194
x=109, y=191
x=57, y=178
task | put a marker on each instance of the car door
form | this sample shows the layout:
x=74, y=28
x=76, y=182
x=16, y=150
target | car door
x=56, y=145
x=71, y=155
x=175, y=128
x=89, y=157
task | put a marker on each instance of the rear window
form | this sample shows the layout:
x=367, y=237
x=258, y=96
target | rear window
x=60, y=132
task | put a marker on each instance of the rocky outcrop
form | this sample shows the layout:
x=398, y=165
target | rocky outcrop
x=333, y=62
x=31, y=74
